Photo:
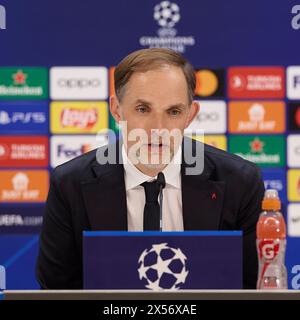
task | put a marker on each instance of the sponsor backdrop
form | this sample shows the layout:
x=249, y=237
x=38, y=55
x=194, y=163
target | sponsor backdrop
x=56, y=75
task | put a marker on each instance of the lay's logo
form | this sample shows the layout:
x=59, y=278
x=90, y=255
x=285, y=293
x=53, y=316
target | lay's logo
x=83, y=119
x=78, y=117
x=294, y=185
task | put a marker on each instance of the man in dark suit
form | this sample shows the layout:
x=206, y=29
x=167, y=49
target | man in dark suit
x=154, y=90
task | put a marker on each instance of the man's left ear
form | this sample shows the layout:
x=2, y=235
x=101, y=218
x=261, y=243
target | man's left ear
x=194, y=109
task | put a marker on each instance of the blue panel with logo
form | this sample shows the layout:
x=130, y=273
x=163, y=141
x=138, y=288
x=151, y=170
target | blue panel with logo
x=227, y=33
x=276, y=179
x=21, y=218
x=293, y=262
x=24, y=117
x=163, y=260
x=18, y=255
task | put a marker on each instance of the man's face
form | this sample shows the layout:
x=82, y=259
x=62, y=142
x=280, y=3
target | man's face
x=152, y=101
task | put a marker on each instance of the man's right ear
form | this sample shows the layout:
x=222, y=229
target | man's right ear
x=114, y=108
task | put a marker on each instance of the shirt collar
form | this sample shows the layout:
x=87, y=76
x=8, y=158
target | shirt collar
x=134, y=177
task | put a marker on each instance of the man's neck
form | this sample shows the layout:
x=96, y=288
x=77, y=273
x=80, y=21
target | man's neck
x=151, y=172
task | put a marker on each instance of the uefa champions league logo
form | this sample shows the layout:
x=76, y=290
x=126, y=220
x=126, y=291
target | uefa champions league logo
x=163, y=267
x=167, y=14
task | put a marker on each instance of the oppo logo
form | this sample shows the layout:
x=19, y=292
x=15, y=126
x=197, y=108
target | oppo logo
x=297, y=150
x=2, y=18
x=296, y=19
x=202, y=116
x=79, y=83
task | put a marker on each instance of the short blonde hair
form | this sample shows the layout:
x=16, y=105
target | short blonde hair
x=149, y=59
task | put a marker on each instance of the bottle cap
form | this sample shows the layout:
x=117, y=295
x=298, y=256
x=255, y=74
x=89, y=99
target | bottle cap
x=271, y=200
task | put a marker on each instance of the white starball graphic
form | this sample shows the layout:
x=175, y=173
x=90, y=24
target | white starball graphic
x=162, y=267
x=167, y=14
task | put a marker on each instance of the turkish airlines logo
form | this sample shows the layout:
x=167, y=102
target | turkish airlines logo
x=83, y=119
x=78, y=83
x=238, y=82
x=256, y=82
x=23, y=151
x=4, y=151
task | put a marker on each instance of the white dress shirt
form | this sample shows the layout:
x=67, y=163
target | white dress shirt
x=172, y=219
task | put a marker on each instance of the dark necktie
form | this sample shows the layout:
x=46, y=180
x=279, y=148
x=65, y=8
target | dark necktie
x=151, y=209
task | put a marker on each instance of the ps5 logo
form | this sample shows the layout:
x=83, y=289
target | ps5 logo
x=2, y=18
x=296, y=19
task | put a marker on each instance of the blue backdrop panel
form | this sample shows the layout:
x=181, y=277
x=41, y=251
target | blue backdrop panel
x=100, y=33
x=18, y=255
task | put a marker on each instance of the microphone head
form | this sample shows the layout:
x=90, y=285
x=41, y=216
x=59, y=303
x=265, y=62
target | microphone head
x=161, y=182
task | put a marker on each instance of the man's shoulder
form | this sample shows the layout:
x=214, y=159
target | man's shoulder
x=225, y=157
x=78, y=167
x=228, y=163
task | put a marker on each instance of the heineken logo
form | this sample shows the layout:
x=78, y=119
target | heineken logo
x=2, y=18
x=266, y=151
x=19, y=77
x=23, y=83
x=256, y=145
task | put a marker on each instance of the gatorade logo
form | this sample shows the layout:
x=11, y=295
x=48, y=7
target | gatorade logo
x=268, y=249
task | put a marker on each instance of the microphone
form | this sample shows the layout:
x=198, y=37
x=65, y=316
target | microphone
x=161, y=183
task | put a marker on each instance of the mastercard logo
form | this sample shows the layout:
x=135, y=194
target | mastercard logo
x=210, y=83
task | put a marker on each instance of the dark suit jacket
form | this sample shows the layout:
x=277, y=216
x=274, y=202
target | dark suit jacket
x=85, y=195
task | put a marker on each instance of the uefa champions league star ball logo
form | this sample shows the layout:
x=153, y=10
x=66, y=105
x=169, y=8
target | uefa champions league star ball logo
x=163, y=267
x=167, y=14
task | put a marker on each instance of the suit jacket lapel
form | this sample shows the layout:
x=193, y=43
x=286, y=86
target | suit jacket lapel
x=105, y=197
x=202, y=197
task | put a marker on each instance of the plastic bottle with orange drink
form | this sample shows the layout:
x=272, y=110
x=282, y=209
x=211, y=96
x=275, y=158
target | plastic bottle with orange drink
x=271, y=244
